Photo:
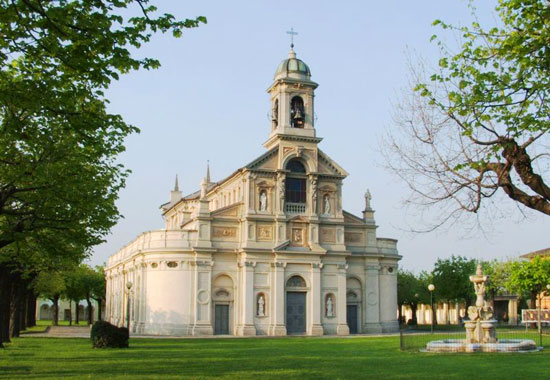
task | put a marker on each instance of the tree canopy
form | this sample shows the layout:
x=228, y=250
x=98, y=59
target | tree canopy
x=477, y=127
x=451, y=278
x=59, y=175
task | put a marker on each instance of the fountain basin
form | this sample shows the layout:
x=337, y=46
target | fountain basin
x=502, y=345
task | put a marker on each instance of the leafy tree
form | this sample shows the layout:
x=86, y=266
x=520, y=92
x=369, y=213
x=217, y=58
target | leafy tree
x=412, y=290
x=530, y=277
x=478, y=127
x=451, y=278
x=51, y=285
x=74, y=290
x=59, y=178
x=498, y=272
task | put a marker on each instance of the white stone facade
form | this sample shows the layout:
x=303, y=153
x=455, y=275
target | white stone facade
x=267, y=251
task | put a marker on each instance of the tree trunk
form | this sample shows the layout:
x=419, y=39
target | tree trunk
x=70, y=312
x=414, y=320
x=31, y=308
x=90, y=311
x=77, y=312
x=99, y=304
x=5, y=300
x=400, y=314
x=55, y=320
x=15, y=306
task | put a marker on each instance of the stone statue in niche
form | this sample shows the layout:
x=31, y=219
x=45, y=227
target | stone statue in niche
x=261, y=304
x=330, y=307
x=263, y=201
x=326, y=209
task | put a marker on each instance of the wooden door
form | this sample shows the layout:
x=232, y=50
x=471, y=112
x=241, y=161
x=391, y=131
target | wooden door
x=221, y=320
x=296, y=312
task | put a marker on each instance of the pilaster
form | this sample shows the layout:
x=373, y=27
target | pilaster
x=372, y=304
x=203, y=310
x=246, y=327
x=342, y=328
x=277, y=326
x=316, y=328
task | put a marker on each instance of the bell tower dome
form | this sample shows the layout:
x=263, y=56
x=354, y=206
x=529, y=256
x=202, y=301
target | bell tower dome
x=292, y=94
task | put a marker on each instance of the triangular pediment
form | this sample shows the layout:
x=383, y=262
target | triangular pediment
x=328, y=166
x=352, y=219
x=268, y=160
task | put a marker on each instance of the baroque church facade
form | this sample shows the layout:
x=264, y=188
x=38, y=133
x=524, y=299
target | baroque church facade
x=266, y=251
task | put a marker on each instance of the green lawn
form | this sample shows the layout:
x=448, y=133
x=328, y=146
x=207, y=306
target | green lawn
x=42, y=325
x=288, y=358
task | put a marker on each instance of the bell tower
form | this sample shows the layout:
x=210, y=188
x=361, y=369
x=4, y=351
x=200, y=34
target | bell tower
x=292, y=96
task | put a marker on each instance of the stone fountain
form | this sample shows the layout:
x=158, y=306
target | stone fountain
x=481, y=328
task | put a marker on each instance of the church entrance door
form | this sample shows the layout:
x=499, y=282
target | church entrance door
x=295, y=312
x=352, y=318
x=221, y=320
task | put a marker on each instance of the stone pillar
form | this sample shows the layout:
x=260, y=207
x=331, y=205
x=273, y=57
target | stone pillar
x=371, y=302
x=445, y=319
x=203, y=310
x=247, y=327
x=316, y=328
x=341, y=300
x=513, y=312
x=277, y=326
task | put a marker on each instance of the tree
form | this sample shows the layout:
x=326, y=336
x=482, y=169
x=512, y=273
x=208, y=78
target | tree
x=412, y=290
x=98, y=288
x=498, y=272
x=451, y=278
x=59, y=178
x=529, y=277
x=51, y=285
x=74, y=290
x=477, y=129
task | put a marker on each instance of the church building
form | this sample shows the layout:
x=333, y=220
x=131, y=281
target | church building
x=267, y=250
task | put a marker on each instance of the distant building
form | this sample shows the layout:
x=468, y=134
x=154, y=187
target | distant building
x=45, y=312
x=266, y=251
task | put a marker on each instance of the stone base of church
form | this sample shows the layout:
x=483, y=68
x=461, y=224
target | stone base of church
x=316, y=330
x=388, y=327
x=373, y=328
x=277, y=330
x=246, y=330
x=199, y=330
x=342, y=330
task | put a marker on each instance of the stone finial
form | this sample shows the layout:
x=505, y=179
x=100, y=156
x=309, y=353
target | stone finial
x=175, y=195
x=176, y=186
x=208, y=172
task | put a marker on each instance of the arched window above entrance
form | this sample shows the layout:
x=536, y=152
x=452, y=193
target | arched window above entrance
x=296, y=282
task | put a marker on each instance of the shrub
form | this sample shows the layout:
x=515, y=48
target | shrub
x=106, y=335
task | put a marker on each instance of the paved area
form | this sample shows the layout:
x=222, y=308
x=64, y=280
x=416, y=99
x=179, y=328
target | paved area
x=84, y=332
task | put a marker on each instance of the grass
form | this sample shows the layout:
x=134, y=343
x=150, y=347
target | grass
x=288, y=358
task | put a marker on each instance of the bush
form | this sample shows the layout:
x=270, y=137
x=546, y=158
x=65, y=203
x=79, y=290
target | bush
x=106, y=335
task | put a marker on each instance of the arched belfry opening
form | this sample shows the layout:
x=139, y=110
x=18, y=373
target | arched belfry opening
x=295, y=187
x=297, y=113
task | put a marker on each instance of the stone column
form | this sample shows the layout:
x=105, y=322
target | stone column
x=247, y=299
x=372, y=295
x=316, y=303
x=341, y=300
x=277, y=326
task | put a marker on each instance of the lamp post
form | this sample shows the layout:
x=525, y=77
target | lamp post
x=128, y=286
x=431, y=288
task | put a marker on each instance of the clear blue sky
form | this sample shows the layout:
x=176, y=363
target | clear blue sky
x=208, y=102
